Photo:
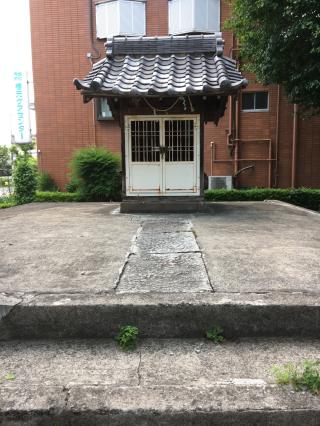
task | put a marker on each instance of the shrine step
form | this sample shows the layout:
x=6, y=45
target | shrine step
x=159, y=315
x=176, y=382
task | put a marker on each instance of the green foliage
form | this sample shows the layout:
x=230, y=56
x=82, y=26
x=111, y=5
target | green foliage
x=280, y=41
x=72, y=185
x=5, y=161
x=46, y=182
x=303, y=197
x=5, y=204
x=127, y=337
x=97, y=172
x=215, y=334
x=301, y=377
x=10, y=377
x=25, y=180
x=56, y=197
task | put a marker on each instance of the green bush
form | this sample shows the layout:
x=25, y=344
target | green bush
x=46, y=183
x=97, y=172
x=303, y=197
x=25, y=181
x=56, y=197
x=72, y=186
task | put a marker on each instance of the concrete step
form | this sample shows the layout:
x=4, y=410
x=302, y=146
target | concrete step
x=176, y=382
x=163, y=205
x=162, y=315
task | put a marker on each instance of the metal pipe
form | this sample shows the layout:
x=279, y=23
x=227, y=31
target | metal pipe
x=277, y=138
x=93, y=46
x=270, y=166
x=212, y=144
x=294, y=146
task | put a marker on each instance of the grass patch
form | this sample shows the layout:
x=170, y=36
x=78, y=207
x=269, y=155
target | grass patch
x=7, y=204
x=305, y=376
x=303, y=197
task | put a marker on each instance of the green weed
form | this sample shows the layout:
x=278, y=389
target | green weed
x=127, y=337
x=303, y=376
x=215, y=334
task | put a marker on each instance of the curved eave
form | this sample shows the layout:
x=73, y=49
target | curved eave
x=207, y=90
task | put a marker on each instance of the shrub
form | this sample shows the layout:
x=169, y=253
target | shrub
x=97, y=172
x=46, y=182
x=25, y=181
x=58, y=197
x=72, y=186
x=303, y=197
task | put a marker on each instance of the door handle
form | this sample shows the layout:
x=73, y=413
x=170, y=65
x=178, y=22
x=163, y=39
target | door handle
x=163, y=150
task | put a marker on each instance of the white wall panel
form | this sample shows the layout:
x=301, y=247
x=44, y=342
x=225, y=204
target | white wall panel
x=188, y=16
x=120, y=17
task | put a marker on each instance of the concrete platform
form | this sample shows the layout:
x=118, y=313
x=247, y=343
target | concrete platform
x=75, y=270
x=162, y=382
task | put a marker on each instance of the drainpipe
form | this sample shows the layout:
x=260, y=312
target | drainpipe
x=294, y=146
x=92, y=58
x=276, y=176
x=92, y=39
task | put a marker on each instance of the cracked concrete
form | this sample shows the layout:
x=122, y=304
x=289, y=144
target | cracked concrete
x=166, y=260
x=261, y=259
x=162, y=382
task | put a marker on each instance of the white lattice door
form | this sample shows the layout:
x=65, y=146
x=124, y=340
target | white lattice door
x=162, y=155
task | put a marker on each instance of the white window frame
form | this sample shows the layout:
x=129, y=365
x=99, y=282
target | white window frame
x=256, y=109
x=119, y=32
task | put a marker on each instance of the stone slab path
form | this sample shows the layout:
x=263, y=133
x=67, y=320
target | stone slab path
x=165, y=257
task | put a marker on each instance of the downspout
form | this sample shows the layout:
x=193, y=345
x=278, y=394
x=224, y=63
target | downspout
x=92, y=58
x=276, y=176
x=93, y=45
x=294, y=146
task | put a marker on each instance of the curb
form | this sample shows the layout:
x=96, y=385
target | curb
x=161, y=315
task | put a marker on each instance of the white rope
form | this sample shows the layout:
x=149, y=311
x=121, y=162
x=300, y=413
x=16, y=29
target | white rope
x=161, y=109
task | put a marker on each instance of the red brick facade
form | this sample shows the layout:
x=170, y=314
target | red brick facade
x=60, y=41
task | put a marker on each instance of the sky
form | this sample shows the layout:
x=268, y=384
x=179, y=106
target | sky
x=15, y=51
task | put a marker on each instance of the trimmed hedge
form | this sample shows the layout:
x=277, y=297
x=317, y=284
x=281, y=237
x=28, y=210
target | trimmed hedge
x=303, y=197
x=57, y=197
x=7, y=204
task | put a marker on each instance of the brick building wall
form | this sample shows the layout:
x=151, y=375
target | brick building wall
x=60, y=42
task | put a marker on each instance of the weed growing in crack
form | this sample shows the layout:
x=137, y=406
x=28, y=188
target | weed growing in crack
x=127, y=337
x=8, y=377
x=305, y=376
x=215, y=334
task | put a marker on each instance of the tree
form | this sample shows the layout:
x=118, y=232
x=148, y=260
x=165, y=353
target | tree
x=280, y=42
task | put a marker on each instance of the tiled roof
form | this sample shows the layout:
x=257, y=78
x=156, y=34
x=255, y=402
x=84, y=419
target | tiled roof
x=175, y=65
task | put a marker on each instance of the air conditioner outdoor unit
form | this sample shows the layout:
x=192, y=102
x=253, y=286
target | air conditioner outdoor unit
x=220, y=182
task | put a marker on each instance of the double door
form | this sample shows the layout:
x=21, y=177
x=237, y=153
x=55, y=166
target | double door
x=162, y=155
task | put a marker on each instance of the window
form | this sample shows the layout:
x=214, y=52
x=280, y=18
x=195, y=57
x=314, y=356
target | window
x=194, y=16
x=255, y=101
x=120, y=17
x=103, y=109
